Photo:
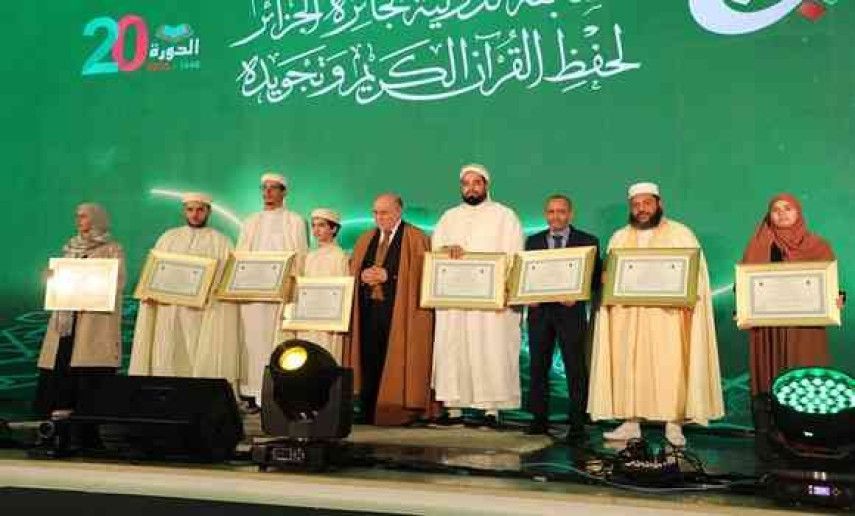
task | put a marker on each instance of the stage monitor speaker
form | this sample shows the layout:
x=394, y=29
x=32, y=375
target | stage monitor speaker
x=160, y=417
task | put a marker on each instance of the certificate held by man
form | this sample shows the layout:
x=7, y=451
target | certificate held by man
x=652, y=277
x=256, y=276
x=552, y=275
x=474, y=281
x=176, y=279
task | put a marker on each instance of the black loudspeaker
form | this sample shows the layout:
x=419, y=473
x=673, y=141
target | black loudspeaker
x=159, y=417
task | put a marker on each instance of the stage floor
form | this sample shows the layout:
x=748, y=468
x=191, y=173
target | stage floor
x=423, y=470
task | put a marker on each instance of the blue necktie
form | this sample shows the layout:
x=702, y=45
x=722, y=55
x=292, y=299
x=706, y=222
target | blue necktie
x=558, y=241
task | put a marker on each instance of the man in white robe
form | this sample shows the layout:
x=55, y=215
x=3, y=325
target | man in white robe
x=173, y=340
x=328, y=259
x=655, y=363
x=476, y=352
x=273, y=229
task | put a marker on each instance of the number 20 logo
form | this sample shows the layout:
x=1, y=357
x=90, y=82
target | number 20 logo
x=113, y=45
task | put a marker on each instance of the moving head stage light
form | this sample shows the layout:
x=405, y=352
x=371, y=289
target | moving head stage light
x=306, y=408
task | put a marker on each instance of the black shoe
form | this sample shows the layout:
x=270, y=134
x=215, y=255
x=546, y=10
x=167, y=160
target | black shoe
x=447, y=422
x=248, y=406
x=490, y=422
x=537, y=427
x=576, y=434
x=418, y=423
x=473, y=421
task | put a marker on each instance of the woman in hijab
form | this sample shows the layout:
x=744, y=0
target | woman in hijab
x=782, y=236
x=80, y=344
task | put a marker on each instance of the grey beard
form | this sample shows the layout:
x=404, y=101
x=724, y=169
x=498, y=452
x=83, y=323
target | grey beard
x=201, y=225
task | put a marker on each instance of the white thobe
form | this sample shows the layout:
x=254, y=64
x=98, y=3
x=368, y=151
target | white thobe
x=269, y=230
x=476, y=352
x=173, y=340
x=327, y=260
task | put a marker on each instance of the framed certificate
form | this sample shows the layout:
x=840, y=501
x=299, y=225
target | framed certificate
x=320, y=303
x=552, y=275
x=256, y=276
x=176, y=279
x=82, y=284
x=476, y=281
x=787, y=294
x=652, y=277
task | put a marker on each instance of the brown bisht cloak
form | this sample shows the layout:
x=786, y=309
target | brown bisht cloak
x=405, y=392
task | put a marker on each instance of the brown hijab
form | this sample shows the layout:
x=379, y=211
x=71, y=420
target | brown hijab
x=796, y=242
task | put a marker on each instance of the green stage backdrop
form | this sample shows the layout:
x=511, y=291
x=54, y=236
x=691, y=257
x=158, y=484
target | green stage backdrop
x=125, y=102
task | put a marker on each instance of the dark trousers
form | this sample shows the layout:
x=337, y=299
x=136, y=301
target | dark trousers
x=57, y=388
x=376, y=319
x=547, y=324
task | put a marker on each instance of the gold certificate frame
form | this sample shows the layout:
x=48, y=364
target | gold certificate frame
x=176, y=279
x=475, y=281
x=787, y=294
x=665, y=277
x=321, y=304
x=552, y=275
x=82, y=284
x=256, y=276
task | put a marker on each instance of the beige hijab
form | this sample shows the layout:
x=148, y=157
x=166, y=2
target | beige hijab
x=80, y=246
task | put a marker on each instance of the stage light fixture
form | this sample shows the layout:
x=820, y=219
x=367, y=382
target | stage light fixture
x=813, y=411
x=815, y=391
x=306, y=408
x=813, y=421
x=293, y=358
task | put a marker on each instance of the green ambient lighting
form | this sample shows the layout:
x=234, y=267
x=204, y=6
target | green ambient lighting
x=815, y=390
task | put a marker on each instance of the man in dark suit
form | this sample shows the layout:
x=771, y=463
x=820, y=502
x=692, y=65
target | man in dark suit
x=564, y=322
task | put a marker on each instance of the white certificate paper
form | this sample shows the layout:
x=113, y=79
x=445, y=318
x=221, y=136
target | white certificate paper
x=177, y=278
x=652, y=277
x=550, y=275
x=787, y=294
x=82, y=284
x=319, y=303
x=257, y=275
x=464, y=279
x=795, y=295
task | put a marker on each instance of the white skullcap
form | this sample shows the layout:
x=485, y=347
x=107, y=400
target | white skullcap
x=476, y=168
x=643, y=188
x=327, y=214
x=196, y=197
x=276, y=178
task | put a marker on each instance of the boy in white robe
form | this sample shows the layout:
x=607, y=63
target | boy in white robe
x=328, y=259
